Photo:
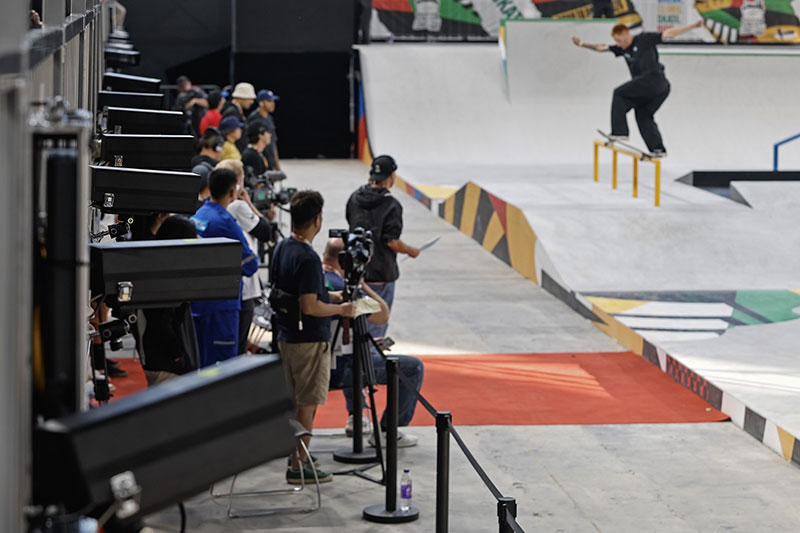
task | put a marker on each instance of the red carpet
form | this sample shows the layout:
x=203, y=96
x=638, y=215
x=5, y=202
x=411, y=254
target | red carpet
x=529, y=389
x=533, y=389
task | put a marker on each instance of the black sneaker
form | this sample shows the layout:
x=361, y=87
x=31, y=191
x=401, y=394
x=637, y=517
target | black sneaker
x=659, y=153
x=116, y=372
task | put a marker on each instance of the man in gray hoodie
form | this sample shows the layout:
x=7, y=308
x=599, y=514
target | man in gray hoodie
x=373, y=207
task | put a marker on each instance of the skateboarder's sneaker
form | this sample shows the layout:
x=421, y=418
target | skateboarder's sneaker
x=659, y=153
x=618, y=137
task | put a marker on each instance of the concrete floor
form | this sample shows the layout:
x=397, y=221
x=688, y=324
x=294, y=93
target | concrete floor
x=631, y=478
x=456, y=298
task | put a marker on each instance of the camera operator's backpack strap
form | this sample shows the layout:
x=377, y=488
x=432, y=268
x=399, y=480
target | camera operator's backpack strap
x=284, y=304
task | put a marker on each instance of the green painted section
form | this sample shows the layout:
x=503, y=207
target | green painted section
x=780, y=6
x=774, y=305
x=723, y=17
x=453, y=10
x=745, y=318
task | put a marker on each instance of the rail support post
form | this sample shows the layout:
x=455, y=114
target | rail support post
x=388, y=513
x=596, y=160
x=635, y=178
x=443, y=419
x=658, y=183
x=506, y=504
x=614, y=171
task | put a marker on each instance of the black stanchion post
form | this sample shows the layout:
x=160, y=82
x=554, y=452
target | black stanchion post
x=443, y=419
x=506, y=504
x=357, y=455
x=388, y=513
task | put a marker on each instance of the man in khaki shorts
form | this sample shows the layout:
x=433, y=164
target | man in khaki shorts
x=303, y=331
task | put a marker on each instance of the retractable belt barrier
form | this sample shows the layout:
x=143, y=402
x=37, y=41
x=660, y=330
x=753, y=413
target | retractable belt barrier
x=506, y=507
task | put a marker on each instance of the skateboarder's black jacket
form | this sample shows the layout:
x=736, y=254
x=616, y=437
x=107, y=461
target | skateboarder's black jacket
x=642, y=55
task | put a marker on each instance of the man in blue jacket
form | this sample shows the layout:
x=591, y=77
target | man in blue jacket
x=217, y=322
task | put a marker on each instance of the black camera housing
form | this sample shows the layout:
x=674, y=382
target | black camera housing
x=169, y=437
x=135, y=191
x=117, y=58
x=136, y=100
x=358, y=248
x=127, y=120
x=146, y=274
x=159, y=152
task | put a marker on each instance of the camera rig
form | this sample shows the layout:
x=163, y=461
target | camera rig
x=358, y=248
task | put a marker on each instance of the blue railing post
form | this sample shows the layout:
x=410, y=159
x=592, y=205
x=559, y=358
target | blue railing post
x=778, y=145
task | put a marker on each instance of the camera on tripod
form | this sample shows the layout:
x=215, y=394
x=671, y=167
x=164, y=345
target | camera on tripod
x=358, y=247
x=262, y=191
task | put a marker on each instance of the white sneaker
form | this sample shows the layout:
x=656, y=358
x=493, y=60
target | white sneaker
x=366, y=427
x=622, y=138
x=403, y=440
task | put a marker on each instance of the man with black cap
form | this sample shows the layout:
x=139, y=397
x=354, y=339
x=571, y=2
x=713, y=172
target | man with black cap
x=373, y=207
x=203, y=163
x=265, y=100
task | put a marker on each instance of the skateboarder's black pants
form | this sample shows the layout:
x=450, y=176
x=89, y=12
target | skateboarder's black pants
x=643, y=94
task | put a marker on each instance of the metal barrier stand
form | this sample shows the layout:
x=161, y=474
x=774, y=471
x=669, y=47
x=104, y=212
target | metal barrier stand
x=636, y=157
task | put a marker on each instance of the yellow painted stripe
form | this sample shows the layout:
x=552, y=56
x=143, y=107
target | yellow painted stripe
x=796, y=290
x=449, y=209
x=615, y=305
x=494, y=232
x=365, y=156
x=623, y=334
x=436, y=192
x=787, y=443
x=472, y=194
x=521, y=243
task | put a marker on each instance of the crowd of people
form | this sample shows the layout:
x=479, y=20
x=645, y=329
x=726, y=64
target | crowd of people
x=236, y=137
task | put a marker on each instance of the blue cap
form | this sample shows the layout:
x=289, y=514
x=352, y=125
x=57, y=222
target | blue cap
x=266, y=94
x=228, y=124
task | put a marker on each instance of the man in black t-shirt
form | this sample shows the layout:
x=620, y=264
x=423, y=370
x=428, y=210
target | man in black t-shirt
x=373, y=207
x=648, y=87
x=258, y=138
x=304, y=334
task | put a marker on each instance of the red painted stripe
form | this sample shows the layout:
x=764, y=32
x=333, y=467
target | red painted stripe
x=500, y=209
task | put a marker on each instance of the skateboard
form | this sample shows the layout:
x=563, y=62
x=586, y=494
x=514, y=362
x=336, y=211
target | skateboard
x=642, y=153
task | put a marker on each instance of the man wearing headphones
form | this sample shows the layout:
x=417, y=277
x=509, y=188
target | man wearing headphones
x=203, y=163
x=373, y=207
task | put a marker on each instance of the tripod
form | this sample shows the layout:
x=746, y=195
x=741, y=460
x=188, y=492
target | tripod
x=363, y=374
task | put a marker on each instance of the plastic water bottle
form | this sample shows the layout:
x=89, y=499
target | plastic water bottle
x=405, y=491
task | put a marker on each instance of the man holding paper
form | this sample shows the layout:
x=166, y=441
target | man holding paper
x=373, y=207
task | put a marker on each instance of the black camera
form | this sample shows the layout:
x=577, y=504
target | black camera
x=261, y=188
x=358, y=247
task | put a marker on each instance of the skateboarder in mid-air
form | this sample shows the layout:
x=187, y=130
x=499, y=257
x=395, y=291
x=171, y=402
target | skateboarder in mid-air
x=649, y=87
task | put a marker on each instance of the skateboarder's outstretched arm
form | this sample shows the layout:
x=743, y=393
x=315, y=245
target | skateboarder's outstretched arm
x=590, y=46
x=674, y=32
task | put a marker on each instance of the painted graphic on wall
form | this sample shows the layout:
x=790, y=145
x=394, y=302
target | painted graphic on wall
x=475, y=20
x=763, y=21
x=727, y=21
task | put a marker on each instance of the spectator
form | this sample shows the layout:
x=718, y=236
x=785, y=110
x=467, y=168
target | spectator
x=266, y=106
x=373, y=207
x=193, y=102
x=255, y=227
x=217, y=322
x=253, y=156
x=231, y=129
x=167, y=340
x=304, y=334
x=342, y=375
x=211, y=145
x=242, y=98
x=35, y=20
x=213, y=115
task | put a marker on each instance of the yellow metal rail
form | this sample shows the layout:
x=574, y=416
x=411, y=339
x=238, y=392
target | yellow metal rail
x=636, y=158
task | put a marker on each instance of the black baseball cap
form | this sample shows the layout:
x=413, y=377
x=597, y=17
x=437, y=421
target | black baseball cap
x=382, y=167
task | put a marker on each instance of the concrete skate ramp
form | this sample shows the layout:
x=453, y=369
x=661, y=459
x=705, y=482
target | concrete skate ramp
x=439, y=103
